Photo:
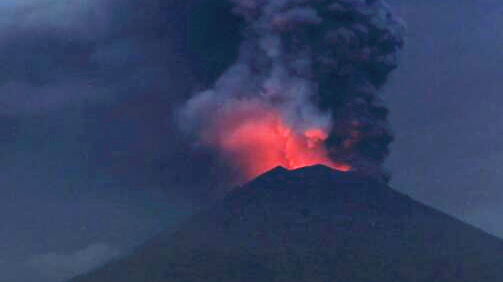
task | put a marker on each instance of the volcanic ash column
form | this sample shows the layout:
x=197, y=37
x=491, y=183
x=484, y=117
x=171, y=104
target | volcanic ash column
x=303, y=89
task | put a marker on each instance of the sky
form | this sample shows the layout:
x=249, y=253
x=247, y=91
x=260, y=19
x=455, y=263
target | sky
x=445, y=100
x=91, y=162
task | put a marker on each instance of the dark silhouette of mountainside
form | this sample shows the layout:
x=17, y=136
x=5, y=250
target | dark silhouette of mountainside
x=314, y=224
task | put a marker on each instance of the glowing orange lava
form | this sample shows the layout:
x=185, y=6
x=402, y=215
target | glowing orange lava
x=257, y=140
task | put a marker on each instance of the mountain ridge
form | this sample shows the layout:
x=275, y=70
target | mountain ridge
x=314, y=224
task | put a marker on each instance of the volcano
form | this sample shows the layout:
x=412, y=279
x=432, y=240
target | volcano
x=314, y=224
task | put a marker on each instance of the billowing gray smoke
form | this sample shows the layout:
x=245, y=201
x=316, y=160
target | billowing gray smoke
x=317, y=64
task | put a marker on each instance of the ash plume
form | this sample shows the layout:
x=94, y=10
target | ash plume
x=317, y=65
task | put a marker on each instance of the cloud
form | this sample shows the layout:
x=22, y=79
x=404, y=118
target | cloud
x=58, y=267
x=60, y=52
x=44, y=49
x=85, y=18
x=148, y=57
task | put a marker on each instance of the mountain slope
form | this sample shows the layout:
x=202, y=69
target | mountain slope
x=314, y=224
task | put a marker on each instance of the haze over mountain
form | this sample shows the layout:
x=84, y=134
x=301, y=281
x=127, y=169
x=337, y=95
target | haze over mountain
x=314, y=224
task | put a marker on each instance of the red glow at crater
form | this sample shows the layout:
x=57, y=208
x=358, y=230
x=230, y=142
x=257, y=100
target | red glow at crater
x=256, y=140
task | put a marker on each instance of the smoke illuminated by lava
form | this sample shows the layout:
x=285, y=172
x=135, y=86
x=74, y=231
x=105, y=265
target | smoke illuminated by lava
x=303, y=89
x=256, y=139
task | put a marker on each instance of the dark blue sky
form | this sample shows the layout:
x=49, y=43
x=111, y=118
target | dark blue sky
x=445, y=102
x=91, y=165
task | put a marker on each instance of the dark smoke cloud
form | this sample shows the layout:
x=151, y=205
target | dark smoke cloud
x=319, y=63
x=113, y=71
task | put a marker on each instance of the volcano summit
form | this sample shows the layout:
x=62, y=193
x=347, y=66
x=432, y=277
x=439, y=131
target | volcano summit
x=314, y=224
